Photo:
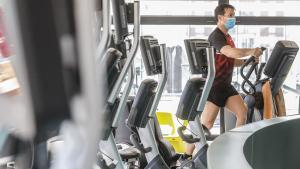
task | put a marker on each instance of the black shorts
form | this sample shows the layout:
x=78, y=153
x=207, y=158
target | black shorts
x=220, y=96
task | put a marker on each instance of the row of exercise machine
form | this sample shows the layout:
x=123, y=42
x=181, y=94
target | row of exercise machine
x=76, y=73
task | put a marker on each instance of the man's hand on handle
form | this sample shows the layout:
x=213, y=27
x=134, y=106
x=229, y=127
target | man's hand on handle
x=257, y=52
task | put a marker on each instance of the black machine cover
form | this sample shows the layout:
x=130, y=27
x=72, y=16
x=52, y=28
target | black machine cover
x=119, y=8
x=150, y=50
x=141, y=106
x=280, y=62
x=191, y=95
x=196, y=54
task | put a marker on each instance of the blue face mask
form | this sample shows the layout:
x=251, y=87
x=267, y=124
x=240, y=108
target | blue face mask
x=230, y=23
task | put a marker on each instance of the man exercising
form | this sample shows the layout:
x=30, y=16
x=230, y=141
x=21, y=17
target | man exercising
x=222, y=93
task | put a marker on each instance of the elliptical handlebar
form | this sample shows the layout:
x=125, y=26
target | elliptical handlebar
x=262, y=65
x=247, y=76
x=186, y=137
x=189, y=138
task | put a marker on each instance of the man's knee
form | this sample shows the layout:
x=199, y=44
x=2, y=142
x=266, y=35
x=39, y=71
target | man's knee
x=242, y=114
x=209, y=114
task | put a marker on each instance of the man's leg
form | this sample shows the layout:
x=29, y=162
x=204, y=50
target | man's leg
x=208, y=118
x=209, y=114
x=236, y=105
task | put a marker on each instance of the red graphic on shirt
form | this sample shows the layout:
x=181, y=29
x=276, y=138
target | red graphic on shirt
x=224, y=67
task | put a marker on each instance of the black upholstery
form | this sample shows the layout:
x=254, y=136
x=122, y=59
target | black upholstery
x=191, y=95
x=140, y=109
x=112, y=59
x=122, y=132
x=280, y=62
x=166, y=150
x=9, y=146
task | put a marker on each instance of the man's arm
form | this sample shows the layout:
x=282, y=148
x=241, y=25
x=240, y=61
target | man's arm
x=239, y=62
x=240, y=52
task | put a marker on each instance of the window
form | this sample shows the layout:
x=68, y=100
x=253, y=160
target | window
x=207, y=31
x=279, y=13
x=183, y=7
x=265, y=13
x=173, y=36
x=245, y=36
x=264, y=31
x=258, y=7
x=279, y=32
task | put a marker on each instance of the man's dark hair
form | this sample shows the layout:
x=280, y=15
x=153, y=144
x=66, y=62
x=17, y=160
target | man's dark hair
x=220, y=10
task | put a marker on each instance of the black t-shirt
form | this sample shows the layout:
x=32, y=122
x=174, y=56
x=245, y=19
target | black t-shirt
x=217, y=39
x=223, y=64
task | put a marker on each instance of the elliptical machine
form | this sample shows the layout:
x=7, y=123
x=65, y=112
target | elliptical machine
x=201, y=59
x=264, y=97
x=194, y=92
x=143, y=110
x=119, y=64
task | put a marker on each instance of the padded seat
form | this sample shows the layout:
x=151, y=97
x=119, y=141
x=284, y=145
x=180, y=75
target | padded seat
x=141, y=106
x=166, y=150
x=186, y=110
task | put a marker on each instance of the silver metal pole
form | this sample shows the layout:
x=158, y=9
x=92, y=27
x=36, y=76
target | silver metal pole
x=106, y=30
x=110, y=149
x=196, y=125
x=124, y=98
x=210, y=78
x=162, y=83
x=109, y=146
